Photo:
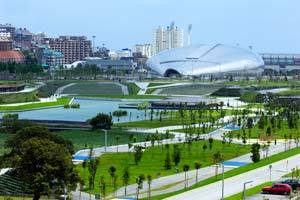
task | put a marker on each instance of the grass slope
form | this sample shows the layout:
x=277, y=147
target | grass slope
x=93, y=88
x=153, y=161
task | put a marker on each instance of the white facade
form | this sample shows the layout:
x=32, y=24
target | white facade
x=167, y=38
x=144, y=49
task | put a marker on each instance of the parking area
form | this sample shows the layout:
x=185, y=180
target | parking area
x=268, y=197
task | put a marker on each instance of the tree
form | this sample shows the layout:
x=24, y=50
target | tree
x=204, y=147
x=139, y=181
x=210, y=143
x=176, y=155
x=255, y=152
x=217, y=158
x=149, y=181
x=126, y=178
x=101, y=121
x=168, y=160
x=197, y=167
x=102, y=187
x=138, y=153
x=38, y=160
x=112, y=172
x=92, y=167
x=185, y=168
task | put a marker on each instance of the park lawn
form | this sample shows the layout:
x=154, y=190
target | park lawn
x=120, y=96
x=167, y=120
x=154, y=84
x=264, y=83
x=196, y=130
x=20, y=97
x=153, y=159
x=292, y=92
x=236, y=171
x=87, y=139
x=93, y=88
x=193, y=89
x=133, y=89
x=150, y=90
x=249, y=192
x=51, y=86
x=276, y=133
x=60, y=102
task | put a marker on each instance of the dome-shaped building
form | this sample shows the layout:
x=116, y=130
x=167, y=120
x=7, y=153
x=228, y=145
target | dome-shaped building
x=197, y=60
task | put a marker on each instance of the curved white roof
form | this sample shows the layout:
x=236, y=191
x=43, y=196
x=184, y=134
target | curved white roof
x=204, y=59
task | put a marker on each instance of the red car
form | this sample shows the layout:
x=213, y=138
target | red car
x=277, y=188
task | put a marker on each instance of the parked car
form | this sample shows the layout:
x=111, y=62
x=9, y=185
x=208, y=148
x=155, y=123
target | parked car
x=278, y=188
x=294, y=183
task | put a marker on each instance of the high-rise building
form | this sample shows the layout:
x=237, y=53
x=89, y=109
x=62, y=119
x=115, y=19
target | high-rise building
x=167, y=38
x=23, y=38
x=144, y=49
x=74, y=48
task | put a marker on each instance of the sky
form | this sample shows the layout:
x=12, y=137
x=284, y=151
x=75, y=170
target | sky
x=270, y=26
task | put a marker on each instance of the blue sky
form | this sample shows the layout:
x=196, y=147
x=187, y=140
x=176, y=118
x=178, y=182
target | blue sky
x=267, y=25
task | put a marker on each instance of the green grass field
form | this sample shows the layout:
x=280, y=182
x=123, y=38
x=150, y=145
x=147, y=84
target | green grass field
x=265, y=83
x=90, y=88
x=292, y=92
x=18, y=97
x=133, y=89
x=236, y=171
x=86, y=139
x=154, y=84
x=170, y=121
x=194, y=89
x=51, y=86
x=153, y=161
x=60, y=102
x=276, y=133
x=196, y=130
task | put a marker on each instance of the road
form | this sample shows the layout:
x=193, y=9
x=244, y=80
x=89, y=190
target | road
x=258, y=176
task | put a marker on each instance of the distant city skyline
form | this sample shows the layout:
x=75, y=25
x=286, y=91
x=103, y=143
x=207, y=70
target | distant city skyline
x=268, y=26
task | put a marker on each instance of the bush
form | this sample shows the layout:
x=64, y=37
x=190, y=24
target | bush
x=75, y=105
x=10, y=116
x=120, y=113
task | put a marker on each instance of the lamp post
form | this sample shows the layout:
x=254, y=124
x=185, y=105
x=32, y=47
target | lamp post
x=222, y=181
x=244, y=189
x=105, y=139
x=270, y=168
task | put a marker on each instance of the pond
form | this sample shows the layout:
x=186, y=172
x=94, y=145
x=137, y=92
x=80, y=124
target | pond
x=88, y=109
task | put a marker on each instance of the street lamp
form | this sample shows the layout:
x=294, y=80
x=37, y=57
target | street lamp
x=222, y=181
x=270, y=168
x=244, y=189
x=105, y=139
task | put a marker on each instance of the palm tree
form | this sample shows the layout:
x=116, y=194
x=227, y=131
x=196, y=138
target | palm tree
x=139, y=181
x=217, y=157
x=112, y=171
x=149, y=181
x=197, y=167
x=117, y=141
x=126, y=178
x=185, y=169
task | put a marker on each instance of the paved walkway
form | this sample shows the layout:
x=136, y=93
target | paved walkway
x=143, y=87
x=60, y=90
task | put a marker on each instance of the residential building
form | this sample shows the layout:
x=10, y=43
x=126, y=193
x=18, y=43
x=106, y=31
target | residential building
x=5, y=44
x=23, y=38
x=74, y=48
x=49, y=57
x=144, y=49
x=7, y=30
x=167, y=38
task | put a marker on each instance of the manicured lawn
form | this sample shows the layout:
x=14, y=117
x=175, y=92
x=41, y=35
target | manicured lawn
x=51, y=86
x=167, y=120
x=133, y=89
x=276, y=133
x=93, y=88
x=264, y=83
x=60, y=102
x=292, y=92
x=249, y=192
x=86, y=139
x=121, y=96
x=194, y=89
x=236, y=171
x=18, y=97
x=153, y=161
x=196, y=130
x=154, y=84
